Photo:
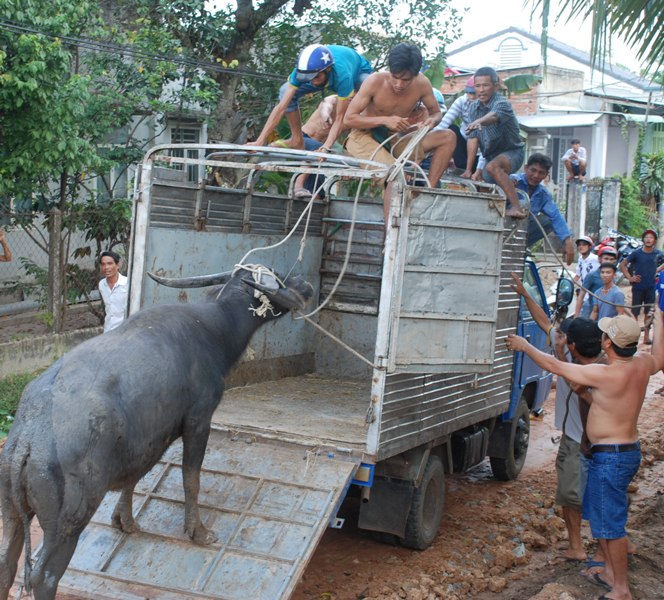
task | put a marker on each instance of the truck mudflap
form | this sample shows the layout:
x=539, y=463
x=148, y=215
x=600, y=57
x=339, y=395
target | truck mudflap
x=267, y=502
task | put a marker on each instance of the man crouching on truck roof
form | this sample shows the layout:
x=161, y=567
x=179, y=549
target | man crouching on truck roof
x=618, y=391
x=382, y=107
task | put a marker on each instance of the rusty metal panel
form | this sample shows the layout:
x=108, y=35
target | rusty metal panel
x=268, y=504
x=417, y=408
x=446, y=287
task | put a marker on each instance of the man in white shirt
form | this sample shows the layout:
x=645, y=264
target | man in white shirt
x=586, y=264
x=575, y=160
x=114, y=289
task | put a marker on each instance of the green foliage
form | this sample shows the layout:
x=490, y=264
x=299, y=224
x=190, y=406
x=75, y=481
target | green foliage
x=638, y=25
x=651, y=176
x=11, y=388
x=633, y=216
x=522, y=83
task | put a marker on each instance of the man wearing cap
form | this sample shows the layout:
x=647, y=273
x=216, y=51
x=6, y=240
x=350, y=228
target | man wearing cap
x=460, y=109
x=593, y=282
x=618, y=391
x=642, y=263
x=578, y=340
x=114, y=290
x=336, y=68
x=587, y=263
x=542, y=205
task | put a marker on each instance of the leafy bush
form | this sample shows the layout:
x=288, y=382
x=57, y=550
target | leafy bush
x=11, y=388
x=633, y=216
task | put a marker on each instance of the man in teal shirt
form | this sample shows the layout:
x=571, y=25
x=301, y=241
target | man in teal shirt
x=338, y=69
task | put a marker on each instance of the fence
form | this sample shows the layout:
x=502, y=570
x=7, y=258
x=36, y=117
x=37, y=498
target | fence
x=50, y=283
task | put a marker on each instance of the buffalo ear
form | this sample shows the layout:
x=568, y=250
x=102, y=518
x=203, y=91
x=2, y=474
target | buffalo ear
x=193, y=282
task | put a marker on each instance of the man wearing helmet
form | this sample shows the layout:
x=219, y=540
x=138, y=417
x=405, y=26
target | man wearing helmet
x=337, y=68
x=383, y=107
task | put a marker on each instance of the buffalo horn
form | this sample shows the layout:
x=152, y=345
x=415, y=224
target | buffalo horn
x=193, y=282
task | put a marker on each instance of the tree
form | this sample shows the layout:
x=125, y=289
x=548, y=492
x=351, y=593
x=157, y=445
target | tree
x=265, y=38
x=70, y=106
x=637, y=23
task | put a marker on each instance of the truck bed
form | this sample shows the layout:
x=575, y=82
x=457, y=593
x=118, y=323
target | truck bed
x=309, y=409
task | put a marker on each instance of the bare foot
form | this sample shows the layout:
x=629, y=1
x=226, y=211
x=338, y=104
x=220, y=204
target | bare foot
x=466, y=174
x=516, y=213
x=570, y=178
x=574, y=555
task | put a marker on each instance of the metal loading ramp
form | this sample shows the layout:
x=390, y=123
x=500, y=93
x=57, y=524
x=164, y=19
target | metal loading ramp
x=268, y=504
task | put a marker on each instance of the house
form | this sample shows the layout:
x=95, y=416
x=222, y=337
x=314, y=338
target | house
x=602, y=105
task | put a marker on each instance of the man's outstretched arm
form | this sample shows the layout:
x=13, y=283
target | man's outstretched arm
x=536, y=311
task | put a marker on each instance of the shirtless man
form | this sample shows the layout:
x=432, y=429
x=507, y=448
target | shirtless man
x=383, y=106
x=619, y=388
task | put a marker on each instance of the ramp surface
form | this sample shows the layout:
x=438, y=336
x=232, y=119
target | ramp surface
x=267, y=503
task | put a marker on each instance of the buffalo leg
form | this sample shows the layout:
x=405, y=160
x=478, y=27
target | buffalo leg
x=52, y=564
x=13, y=537
x=194, y=442
x=123, y=515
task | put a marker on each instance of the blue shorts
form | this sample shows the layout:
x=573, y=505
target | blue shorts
x=605, y=500
x=516, y=158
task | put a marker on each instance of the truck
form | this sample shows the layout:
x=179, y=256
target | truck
x=397, y=375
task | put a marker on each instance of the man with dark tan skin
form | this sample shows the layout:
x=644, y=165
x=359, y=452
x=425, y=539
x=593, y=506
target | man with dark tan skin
x=618, y=390
x=383, y=106
x=495, y=129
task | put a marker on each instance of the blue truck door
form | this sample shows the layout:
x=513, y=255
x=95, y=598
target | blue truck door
x=526, y=372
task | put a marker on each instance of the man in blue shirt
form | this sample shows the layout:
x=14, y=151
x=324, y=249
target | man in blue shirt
x=336, y=68
x=643, y=265
x=542, y=205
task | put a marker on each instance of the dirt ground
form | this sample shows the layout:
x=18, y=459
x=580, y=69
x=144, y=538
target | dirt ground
x=500, y=540
x=497, y=540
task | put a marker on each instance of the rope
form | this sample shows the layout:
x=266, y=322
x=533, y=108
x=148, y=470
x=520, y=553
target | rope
x=576, y=283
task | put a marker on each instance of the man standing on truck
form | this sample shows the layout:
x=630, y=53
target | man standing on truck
x=383, y=107
x=578, y=340
x=542, y=205
x=337, y=68
x=618, y=391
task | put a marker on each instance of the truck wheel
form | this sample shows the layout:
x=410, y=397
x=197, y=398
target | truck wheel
x=509, y=467
x=426, y=509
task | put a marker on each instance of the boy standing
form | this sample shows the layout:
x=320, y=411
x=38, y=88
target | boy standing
x=643, y=262
x=611, y=301
x=495, y=129
x=587, y=263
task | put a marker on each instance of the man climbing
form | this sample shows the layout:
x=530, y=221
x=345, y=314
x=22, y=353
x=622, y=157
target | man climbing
x=338, y=69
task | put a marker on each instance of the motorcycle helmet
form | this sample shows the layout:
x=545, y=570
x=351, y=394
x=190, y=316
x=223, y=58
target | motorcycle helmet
x=312, y=60
x=647, y=231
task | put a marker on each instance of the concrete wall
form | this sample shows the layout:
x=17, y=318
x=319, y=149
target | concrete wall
x=39, y=352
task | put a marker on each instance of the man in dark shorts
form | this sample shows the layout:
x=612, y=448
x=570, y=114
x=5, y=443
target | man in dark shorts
x=643, y=264
x=495, y=129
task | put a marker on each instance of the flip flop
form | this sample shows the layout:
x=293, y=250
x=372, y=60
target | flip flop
x=595, y=563
x=595, y=579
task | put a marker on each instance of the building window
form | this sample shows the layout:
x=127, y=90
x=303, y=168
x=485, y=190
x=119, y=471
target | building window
x=657, y=143
x=186, y=135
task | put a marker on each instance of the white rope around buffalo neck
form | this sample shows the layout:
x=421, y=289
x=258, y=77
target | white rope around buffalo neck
x=257, y=272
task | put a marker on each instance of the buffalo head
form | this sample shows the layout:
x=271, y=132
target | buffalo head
x=290, y=293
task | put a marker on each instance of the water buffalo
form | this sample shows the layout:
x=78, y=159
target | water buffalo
x=103, y=415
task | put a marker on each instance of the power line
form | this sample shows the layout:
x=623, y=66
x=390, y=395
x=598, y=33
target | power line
x=88, y=44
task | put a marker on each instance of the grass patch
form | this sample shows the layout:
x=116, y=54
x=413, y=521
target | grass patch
x=11, y=388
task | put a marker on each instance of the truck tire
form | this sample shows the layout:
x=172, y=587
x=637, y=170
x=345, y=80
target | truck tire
x=426, y=509
x=509, y=467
